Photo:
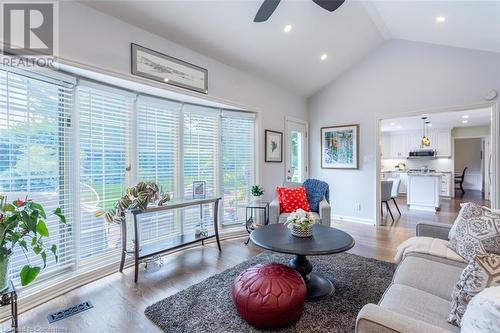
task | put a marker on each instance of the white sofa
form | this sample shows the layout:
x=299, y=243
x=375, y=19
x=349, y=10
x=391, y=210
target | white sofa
x=418, y=299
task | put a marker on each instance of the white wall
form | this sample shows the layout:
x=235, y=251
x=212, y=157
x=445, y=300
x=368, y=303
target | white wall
x=399, y=77
x=468, y=154
x=92, y=38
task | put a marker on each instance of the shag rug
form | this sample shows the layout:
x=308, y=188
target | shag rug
x=208, y=307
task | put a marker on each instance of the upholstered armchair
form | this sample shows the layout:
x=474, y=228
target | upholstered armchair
x=323, y=213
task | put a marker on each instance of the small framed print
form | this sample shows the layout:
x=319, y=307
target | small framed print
x=273, y=146
x=339, y=147
x=199, y=190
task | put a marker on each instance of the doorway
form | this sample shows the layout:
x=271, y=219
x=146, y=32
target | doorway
x=434, y=148
x=296, y=159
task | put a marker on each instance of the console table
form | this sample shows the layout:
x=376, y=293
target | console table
x=162, y=246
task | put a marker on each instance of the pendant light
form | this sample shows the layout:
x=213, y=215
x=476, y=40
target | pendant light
x=425, y=142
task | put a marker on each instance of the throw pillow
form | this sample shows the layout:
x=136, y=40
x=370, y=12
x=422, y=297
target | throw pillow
x=480, y=273
x=316, y=190
x=483, y=312
x=477, y=231
x=292, y=199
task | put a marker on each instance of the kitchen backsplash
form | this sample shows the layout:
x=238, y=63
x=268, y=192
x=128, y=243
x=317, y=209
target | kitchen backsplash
x=439, y=164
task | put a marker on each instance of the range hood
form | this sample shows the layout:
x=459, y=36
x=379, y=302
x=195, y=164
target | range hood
x=422, y=154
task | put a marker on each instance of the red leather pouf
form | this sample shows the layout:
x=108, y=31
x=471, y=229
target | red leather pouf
x=270, y=295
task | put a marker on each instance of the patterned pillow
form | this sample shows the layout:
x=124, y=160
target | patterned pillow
x=477, y=231
x=292, y=199
x=481, y=273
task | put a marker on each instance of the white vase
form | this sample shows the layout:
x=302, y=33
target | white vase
x=297, y=231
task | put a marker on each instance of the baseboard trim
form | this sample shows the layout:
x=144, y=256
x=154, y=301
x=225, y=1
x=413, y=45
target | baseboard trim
x=344, y=218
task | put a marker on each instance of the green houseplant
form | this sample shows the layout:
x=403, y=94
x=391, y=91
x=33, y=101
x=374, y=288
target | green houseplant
x=257, y=191
x=23, y=223
x=136, y=197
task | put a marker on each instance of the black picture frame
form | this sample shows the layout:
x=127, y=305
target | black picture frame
x=268, y=134
x=171, y=75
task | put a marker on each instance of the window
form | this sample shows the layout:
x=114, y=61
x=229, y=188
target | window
x=34, y=156
x=104, y=128
x=237, y=163
x=201, y=158
x=158, y=123
x=79, y=146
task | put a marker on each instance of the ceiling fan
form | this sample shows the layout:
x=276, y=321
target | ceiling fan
x=269, y=6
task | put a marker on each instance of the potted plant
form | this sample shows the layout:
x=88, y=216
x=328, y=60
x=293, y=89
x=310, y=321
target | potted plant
x=301, y=223
x=257, y=191
x=23, y=223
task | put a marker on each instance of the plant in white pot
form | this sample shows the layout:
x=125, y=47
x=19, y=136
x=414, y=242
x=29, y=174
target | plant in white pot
x=301, y=223
x=23, y=223
x=257, y=192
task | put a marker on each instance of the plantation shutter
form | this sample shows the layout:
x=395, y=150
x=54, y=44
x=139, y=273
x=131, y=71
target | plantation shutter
x=105, y=129
x=158, y=130
x=201, y=158
x=238, y=167
x=35, y=124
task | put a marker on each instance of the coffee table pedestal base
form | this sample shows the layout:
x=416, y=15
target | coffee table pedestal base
x=318, y=287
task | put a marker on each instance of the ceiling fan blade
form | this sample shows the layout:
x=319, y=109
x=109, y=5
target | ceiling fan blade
x=329, y=5
x=266, y=10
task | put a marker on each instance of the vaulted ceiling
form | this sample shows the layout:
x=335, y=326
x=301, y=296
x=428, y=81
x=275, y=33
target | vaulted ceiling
x=224, y=30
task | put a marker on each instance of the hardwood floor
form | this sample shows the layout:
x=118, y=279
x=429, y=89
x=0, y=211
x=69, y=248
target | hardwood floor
x=119, y=303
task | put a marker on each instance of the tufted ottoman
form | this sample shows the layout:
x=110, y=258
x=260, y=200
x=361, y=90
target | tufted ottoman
x=269, y=295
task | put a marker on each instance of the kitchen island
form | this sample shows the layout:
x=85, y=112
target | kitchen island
x=423, y=191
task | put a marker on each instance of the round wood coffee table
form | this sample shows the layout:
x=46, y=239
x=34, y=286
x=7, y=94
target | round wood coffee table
x=325, y=240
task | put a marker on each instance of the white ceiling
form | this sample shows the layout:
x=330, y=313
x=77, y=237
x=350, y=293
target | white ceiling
x=225, y=31
x=477, y=117
x=469, y=24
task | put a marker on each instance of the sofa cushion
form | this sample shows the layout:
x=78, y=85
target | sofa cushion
x=426, y=245
x=418, y=304
x=292, y=199
x=431, y=274
x=482, y=272
x=284, y=216
x=477, y=231
x=483, y=312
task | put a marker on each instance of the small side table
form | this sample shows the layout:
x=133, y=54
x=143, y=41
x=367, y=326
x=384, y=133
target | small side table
x=9, y=296
x=250, y=224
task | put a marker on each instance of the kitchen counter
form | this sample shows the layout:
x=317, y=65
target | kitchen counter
x=424, y=191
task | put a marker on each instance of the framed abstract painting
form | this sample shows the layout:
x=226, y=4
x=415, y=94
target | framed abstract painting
x=273, y=146
x=339, y=147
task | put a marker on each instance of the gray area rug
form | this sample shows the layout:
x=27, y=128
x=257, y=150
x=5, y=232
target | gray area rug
x=208, y=307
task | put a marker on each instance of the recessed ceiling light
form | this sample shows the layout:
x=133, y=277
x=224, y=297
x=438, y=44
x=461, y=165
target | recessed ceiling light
x=440, y=19
x=323, y=57
x=465, y=117
x=166, y=79
x=465, y=121
x=392, y=124
x=287, y=28
x=425, y=114
x=399, y=127
x=429, y=124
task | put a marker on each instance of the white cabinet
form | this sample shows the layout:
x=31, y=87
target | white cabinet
x=404, y=182
x=443, y=143
x=385, y=145
x=397, y=145
x=445, y=186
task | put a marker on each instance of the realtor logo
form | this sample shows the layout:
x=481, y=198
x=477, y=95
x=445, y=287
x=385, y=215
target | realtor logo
x=28, y=28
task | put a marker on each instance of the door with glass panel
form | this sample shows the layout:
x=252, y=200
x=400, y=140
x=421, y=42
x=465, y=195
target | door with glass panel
x=296, y=150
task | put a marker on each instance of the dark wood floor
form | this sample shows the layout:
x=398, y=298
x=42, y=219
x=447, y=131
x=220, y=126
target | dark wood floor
x=119, y=304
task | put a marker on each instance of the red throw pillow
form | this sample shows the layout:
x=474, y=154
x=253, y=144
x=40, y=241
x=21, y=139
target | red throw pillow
x=292, y=199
